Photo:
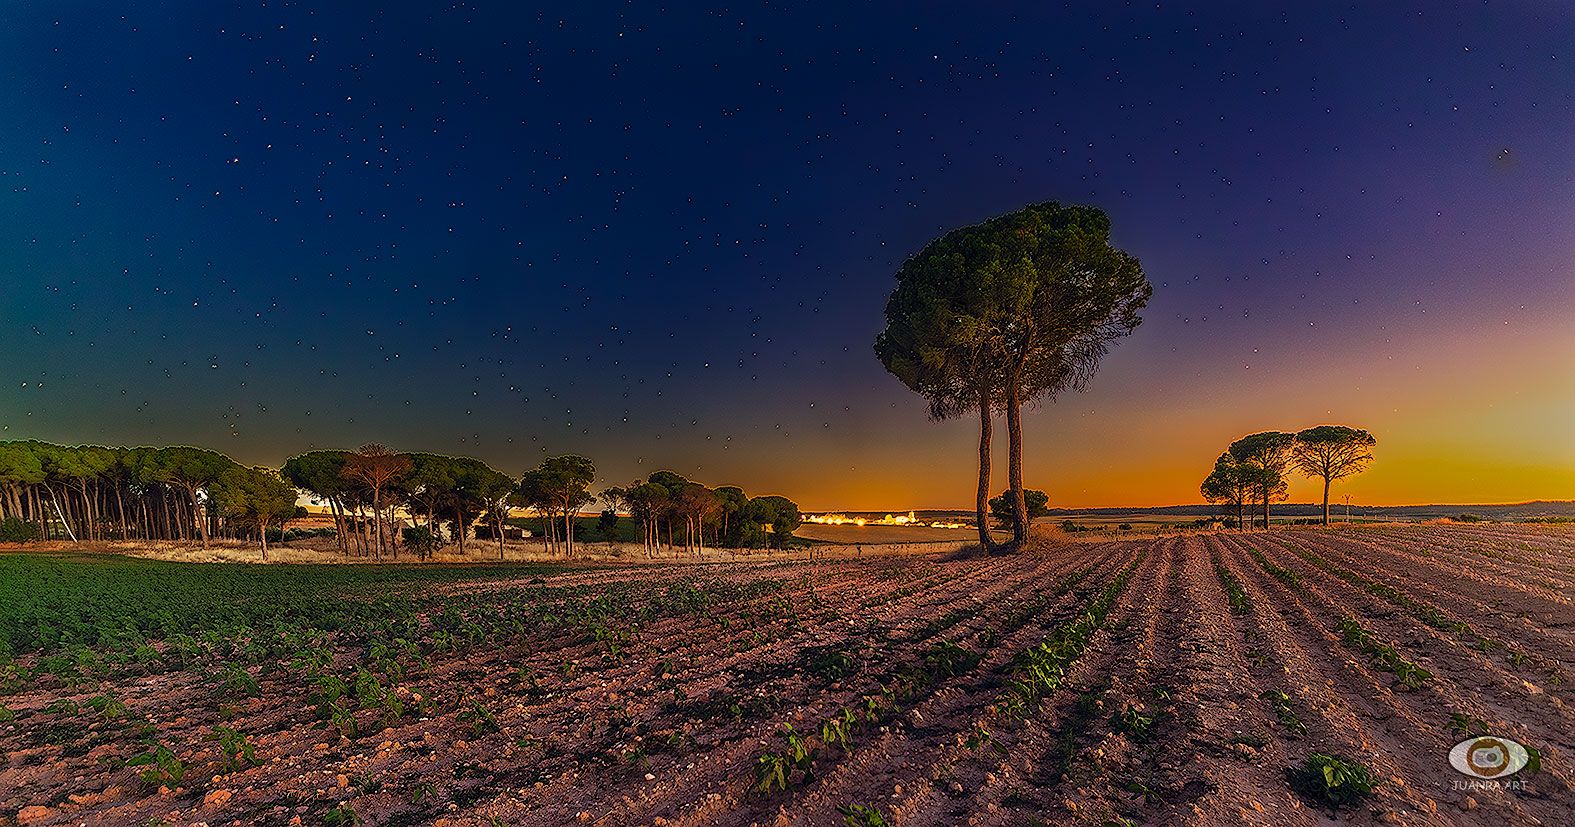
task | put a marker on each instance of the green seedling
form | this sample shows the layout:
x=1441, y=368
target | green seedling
x=771, y=772
x=160, y=766
x=862, y=815
x=480, y=719
x=1281, y=704
x=238, y=750
x=1133, y=723
x=107, y=706
x=64, y=706
x=1237, y=596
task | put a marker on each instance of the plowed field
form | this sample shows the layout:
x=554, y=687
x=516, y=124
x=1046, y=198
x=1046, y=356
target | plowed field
x=1169, y=681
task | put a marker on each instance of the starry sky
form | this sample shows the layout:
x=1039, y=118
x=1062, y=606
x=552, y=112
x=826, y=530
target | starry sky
x=662, y=235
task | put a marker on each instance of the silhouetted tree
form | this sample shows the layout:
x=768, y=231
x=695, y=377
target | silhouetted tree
x=647, y=501
x=731, y=501
x=1001, y=507
x=191, y=470
x=560, y=486
x=321, y=474
x=1332, y=452
x=1231, y=484
x=780, y=514
x=1271, y=450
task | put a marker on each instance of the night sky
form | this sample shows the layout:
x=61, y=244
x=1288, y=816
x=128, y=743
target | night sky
x=662, y=237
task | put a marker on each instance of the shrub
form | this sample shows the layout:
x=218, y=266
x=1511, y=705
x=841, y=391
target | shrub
x=17, y=530
x=421, y=540
x=1331, y=780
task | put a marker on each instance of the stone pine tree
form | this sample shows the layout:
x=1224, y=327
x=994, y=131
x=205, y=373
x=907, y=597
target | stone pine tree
x=938, y=341
x=1332, y=452
x=1271, y=451
x=192, y=470
x=1232, y=484
x=1018, y=308
x=375, y=467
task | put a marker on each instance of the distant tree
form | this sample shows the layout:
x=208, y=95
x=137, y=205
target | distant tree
x=1271, y=450
x=82, y=467
x=1332, y=452
x=496, y=492
x=535, y=493
x=647, y=501
x=1037, y=503
x=1231, y=484
x=779, y=513
x=254, y=497
x=429, y=491
x=375, y=467
x=320, y=473
x=21, y=471
x=607, y=525
x=696, y=504
x=475, y=490
x=730, y=504
x=560, y=486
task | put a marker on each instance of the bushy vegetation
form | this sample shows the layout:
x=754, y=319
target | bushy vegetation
x=1331, y=780
x=55, y=603
x=17, y=530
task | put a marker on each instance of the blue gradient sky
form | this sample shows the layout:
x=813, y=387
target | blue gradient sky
x=663, y=238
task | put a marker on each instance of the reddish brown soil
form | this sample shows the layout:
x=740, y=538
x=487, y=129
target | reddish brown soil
x=669, y=730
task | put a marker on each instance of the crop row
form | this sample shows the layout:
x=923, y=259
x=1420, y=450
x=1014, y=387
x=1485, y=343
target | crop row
x=794, y=759
x=1428, y=614
x=1042, y=668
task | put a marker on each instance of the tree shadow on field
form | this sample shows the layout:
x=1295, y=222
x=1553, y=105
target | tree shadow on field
x=976, y=551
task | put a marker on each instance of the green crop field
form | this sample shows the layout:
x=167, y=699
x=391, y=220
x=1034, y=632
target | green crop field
x=52, y=603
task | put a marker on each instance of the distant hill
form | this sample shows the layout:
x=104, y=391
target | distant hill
x=1512, y=511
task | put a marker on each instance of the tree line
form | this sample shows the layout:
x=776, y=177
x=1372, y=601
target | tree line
x=1019, y=308
x=185, y=494
x=694, y=512
x=1251, y=473
x=178, y=493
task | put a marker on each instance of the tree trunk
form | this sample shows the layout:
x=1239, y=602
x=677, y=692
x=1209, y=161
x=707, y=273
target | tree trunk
x=197, y=516
x=1326, y=482
x=377, y=522
x=120, y=508
x=982, y=496
x=1014, y=466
